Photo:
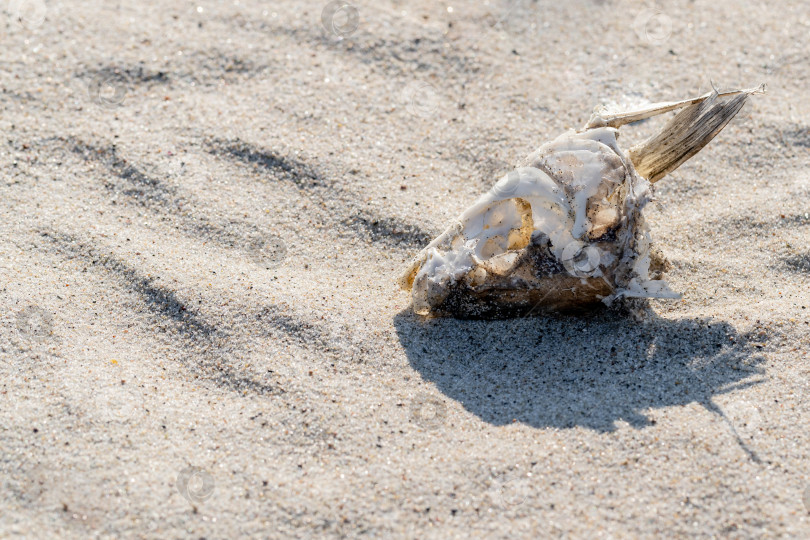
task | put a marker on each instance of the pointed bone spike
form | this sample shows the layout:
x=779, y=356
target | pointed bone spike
x=684, y=136
x=600, y=119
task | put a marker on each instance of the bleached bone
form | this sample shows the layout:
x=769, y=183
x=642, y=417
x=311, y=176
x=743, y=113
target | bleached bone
x=565, y=230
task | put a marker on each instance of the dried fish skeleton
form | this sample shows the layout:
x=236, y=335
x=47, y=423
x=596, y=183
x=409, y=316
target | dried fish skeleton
x=564, y=231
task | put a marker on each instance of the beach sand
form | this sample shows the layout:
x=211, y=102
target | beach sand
x=204, y=210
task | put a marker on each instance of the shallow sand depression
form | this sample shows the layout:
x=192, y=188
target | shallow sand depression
x=205, y=207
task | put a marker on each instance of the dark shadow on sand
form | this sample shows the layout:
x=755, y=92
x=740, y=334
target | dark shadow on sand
x=590, y=371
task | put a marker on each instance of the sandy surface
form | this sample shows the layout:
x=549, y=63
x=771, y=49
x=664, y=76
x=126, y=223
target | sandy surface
x=204, y=206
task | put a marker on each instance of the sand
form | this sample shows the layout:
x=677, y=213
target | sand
x=204, y=209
